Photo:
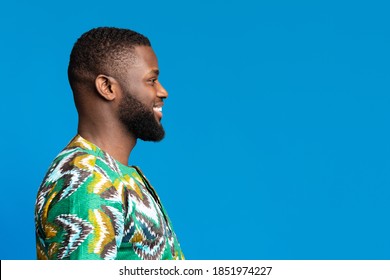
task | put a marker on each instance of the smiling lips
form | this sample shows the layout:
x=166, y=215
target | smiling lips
x=158, y=109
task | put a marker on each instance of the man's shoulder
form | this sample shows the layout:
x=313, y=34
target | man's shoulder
x=83, y=157
x=77, y=154
x=78, y=163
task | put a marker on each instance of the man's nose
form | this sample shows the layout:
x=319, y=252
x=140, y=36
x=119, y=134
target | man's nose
x=161, y=91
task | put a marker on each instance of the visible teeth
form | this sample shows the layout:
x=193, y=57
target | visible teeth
x=159, y=109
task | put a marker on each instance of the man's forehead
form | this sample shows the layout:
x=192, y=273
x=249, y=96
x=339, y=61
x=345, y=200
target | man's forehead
x=144, y=55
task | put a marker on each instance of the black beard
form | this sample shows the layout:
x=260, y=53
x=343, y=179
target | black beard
x=139, y=119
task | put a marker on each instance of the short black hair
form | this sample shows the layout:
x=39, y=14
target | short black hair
x=102, y=50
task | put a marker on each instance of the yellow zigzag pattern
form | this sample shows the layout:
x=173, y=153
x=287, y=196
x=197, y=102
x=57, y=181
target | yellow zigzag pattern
x=79, y=142
x=104, y=231
x=50, y=229
x=133, y=185
x=85, y=161
x=99, y=183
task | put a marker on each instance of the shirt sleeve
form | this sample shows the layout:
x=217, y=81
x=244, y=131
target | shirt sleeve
x=85, y=220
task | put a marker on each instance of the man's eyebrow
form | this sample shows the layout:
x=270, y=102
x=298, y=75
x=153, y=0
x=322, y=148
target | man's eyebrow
x=155, y=71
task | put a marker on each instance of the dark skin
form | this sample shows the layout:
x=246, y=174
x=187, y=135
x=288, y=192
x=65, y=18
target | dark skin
x=98, y=104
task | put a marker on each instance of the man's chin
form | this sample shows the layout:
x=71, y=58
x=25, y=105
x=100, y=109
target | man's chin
x=152, y=139
x=155, y=135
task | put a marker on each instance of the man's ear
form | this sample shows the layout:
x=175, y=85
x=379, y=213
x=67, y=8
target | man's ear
x=107, y=87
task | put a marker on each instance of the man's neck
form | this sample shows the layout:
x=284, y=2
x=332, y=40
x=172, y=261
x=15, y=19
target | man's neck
x=118, y=143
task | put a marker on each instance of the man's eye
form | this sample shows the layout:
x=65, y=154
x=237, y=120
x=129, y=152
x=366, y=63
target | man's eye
x=152, y=81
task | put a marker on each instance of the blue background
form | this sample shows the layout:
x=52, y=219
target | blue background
x=278, y=143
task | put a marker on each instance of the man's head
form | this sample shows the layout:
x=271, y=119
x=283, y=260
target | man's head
x=117, y=69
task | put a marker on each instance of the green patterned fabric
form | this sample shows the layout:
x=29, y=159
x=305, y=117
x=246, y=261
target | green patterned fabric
x=91, y=206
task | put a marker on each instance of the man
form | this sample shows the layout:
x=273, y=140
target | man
x=91, y=204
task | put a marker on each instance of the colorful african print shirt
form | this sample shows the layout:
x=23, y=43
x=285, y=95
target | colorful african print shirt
x=91, y=206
